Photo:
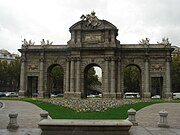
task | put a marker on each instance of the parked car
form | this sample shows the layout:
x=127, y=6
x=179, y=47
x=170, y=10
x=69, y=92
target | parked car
x=131, y=95
x=94, y=96
x=156, y=97
x=176, y=95
x=35, y=95
x=56, y=95
x=11, y=94
x=2, y=94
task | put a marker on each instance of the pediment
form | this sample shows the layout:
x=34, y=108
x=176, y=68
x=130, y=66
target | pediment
x=83, y=25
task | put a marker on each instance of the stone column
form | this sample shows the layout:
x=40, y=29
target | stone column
x=73, y=37
x=72, y=76
x=106, y=78
x=67, y=75
x=106, y=36
x=78, y=36
x=112, y=36
x=78, y=78
x=119, y=91
x=146, y=93
x=41, y=79
x=168, y=91
x=113, y=94
x=22, y=91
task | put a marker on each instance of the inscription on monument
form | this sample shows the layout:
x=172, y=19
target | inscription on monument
x=92, y=38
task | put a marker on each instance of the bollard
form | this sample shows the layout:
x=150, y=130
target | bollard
x=13, y=121
x=163, y=119
x=132, y=116
x=44, y=114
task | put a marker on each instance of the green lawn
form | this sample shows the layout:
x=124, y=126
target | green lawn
x=60, y=112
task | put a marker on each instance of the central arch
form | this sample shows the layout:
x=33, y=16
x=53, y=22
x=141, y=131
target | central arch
x=92, y=81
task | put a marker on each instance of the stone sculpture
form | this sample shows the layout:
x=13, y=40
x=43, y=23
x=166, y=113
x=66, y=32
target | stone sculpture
x=165, y=41
x=45, y=43
x=91, y=19
x=26, y=43
x=144, y=41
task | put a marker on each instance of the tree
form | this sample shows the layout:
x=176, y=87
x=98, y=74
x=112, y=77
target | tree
x=92, y=78
x=57, y=75
x=132, y=78
x=176, y=73
x=9, y=75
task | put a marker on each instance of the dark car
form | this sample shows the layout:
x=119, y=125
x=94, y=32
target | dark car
x=2, y=94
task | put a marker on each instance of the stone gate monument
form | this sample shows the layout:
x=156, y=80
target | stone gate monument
x=93, y=43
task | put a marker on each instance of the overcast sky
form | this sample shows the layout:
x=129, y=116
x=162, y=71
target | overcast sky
x=51, y=19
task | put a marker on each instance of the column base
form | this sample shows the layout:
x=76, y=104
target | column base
x=112, y=95
x=119, y=95
x=22, y=93
x=106, y=95
x=40, y=94
x=163, y=125
x=146, y=95
x=72, y=95
x=109, y=95
x=168, y=95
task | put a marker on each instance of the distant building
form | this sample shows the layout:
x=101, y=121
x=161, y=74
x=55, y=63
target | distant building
x=6, y=55
x=176, y=50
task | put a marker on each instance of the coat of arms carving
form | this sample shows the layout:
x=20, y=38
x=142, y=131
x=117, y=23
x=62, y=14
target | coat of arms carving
x=91, y=20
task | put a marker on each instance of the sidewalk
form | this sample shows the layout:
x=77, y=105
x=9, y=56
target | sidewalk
x=28, y=114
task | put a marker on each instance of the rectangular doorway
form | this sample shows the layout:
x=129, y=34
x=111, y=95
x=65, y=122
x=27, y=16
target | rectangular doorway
x=156, y=86
x=32, y=86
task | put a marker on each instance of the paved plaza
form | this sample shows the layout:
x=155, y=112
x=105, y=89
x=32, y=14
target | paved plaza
x=28, y=119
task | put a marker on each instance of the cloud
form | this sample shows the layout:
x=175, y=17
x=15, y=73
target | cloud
x=51, y=19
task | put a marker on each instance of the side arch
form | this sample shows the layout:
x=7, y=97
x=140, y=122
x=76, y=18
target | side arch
x=55, y=80
x=132, y=79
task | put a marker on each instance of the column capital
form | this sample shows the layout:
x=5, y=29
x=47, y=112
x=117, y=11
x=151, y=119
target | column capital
x=78, y=58
x=168, y=59
x=113, y=58
x=146, y=59
x=72, y=58
x=23, y=59
x=119, y=59
x=68, y=59
x=41, y=59
x=107, y=58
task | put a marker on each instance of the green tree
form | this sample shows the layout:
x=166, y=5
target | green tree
x=14, y=73
x=9, y=75
x=57, y=75
x=176, y=73
x=132, y=78
x=92, y=78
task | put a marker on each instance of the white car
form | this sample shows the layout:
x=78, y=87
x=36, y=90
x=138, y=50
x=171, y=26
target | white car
x=11, y=94
x=156, y=97
x=131, y=95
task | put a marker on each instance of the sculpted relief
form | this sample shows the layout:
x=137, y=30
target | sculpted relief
x=33, y=67
x=157, y=67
